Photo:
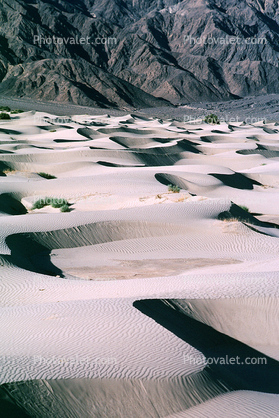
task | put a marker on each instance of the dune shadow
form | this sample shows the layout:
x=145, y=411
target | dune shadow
x=9, y=408
x=29, y=254
x=156, y=157
x=266, y=153
x=228, y=359
x=167, y=179
x=9, y=131
x=88, y=133
x=236, y=212
x=109, y=164
x=236, y=180
x=58, y=141
x=10, y=205
x=32, y=251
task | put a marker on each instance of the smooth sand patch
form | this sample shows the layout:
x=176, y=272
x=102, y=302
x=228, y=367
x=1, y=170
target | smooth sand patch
x=145, y=268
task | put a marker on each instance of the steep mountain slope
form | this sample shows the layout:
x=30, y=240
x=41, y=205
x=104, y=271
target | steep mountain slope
x=138, y=53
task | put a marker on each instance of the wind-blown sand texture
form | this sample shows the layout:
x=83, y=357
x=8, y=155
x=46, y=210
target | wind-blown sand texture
x=107, y=309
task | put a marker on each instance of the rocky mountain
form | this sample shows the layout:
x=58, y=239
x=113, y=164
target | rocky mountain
x=138, y=53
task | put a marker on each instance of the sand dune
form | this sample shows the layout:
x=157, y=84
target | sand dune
x=234, y=405
x=102, y=304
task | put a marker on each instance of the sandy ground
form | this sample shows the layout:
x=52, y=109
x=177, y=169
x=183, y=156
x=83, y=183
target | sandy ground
x=250, y=109
x=106, y=309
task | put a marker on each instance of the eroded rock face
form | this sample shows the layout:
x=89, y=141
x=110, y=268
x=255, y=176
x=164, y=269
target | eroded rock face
x=138, y=53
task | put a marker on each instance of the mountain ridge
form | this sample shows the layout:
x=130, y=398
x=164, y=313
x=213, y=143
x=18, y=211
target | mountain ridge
x=159, y=53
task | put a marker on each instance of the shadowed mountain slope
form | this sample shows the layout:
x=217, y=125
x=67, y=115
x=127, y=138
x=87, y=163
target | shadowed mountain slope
x=138, y=53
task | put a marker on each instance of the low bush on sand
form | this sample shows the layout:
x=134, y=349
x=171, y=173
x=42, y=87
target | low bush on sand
x=5, y=116
x=244, y=208
x=58, y=203
x=65, y=208
x=212, y=118
x=47, y=176
x=15, y=111
x=173, y=188
x=39, y=204
x=5, y=108
x=55, y=202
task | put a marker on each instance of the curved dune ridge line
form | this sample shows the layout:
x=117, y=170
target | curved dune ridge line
x=142, y=240
x=101, y=305
x=230, y=316
x=234, y=405
x=217, y=349
x=121, y=397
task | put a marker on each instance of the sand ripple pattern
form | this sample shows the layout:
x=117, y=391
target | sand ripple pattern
x=72, y=343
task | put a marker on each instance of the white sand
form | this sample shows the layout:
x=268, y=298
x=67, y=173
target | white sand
x=69, y=280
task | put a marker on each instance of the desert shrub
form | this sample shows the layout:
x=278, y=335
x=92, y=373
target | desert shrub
x=39, y=204
x=65, y=208
x=15, y=111
x=173, y=188
x=231, y=220
x=46, y=176
x=9, y=170
x=5, y=108
x=5, y=116
x=212, y=118
x=55, y=202
x=244, y=208
x=58, y=203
